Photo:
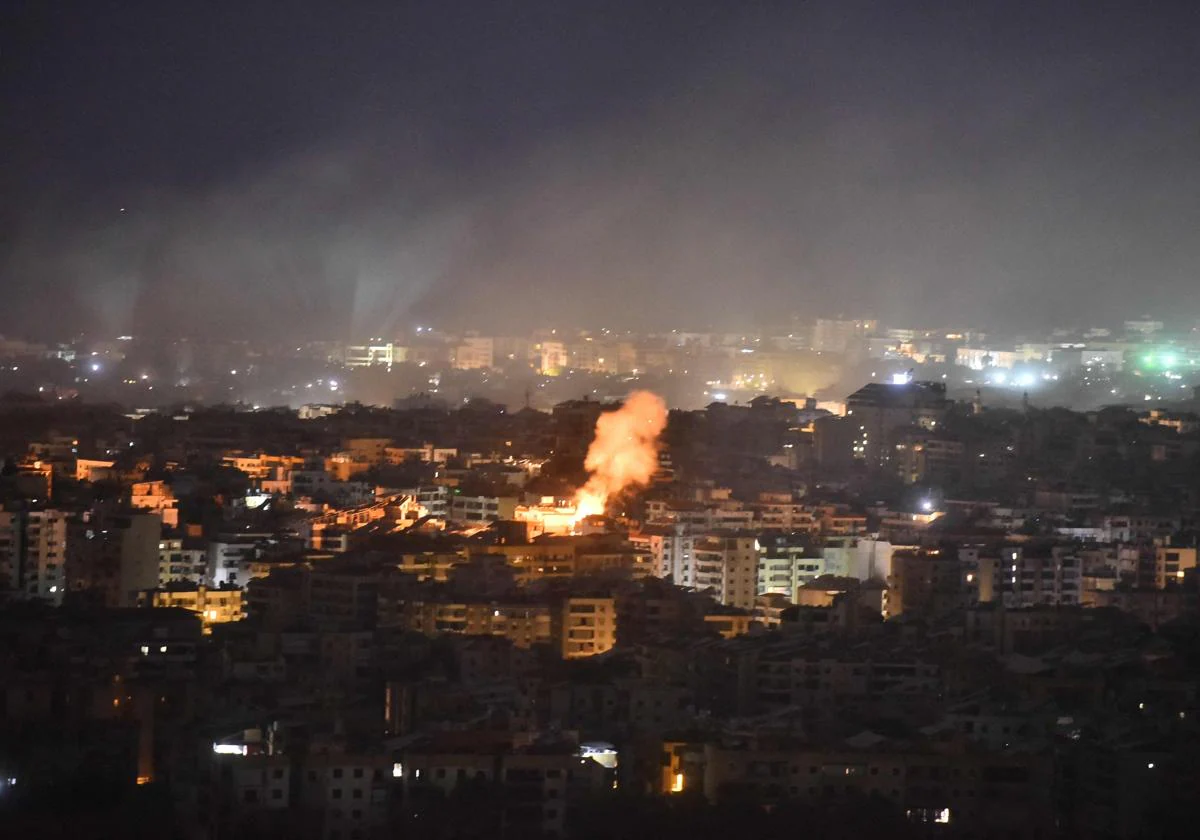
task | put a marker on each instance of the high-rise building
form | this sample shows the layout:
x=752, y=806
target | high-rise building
x=832, y=335
x=1026, y=576
x=114, y=554
x=671, y=547
x=728, y=567
x=878, y=412
x=584, y=626
x=785, y=564
x=33, y=554
x=925, y=582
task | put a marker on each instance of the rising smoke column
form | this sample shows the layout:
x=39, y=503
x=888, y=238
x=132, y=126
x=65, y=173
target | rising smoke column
x=624, y=452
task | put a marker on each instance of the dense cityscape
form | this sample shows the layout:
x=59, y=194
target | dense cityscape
x=621, y=420
x=884, y=612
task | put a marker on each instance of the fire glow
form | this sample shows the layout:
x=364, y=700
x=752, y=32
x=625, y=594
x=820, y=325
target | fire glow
x=624, y=453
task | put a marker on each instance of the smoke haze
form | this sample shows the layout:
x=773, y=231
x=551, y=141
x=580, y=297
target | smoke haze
x=343, y=174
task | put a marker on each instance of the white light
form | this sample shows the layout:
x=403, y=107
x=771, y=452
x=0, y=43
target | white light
x=397, y=770
x=900, y=379
x=999, y=377
x=162, y=649
x=1150, y=766
x=95, y=366
x=926, y=505
x=230, y=749
x=1025, y=380
x=145, y=649
x=720, y=396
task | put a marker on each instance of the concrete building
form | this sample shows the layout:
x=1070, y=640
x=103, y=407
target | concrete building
x=728, y=567
x=1025, y=576
x=833, y=335
x=475, y=352
x=582, y=627
x=214, y=606
x=1171, y=564
x=157, y=498
x=786, y=565
x=182, y=560
x=33, y=554
x=230, y=556
x=878, y=411
x=671, y=547
x=481, y=510
x=925, y=582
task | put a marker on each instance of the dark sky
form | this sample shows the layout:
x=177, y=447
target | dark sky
x=342, y=169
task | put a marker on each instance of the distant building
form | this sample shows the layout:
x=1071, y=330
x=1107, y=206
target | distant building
x=877, y=411
x=728, y=567
x=837, y=336
x=214, y=606
x=1171, y=564
x=33, y=554
x=583, y=627
x=475, y=352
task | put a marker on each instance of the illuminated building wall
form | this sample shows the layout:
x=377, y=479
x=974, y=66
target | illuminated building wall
x=585, y=627
x=214, y=606
x=1171, y=564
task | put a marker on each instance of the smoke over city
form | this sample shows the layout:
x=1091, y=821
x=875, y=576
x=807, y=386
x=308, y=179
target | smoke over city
x=716, y=164
x=624, y=453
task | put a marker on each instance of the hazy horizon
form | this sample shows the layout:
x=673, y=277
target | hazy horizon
x=235, y=171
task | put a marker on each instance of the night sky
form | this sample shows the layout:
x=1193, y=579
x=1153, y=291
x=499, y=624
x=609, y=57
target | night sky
x=339, y=170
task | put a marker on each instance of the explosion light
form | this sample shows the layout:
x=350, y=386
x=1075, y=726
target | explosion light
x=624, y=452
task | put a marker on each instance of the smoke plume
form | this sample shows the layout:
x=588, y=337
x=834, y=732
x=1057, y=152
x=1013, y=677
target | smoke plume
x=624, y=452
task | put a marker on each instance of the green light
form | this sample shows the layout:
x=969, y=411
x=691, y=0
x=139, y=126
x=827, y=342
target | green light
x=1148, y=361
x=1169, y=359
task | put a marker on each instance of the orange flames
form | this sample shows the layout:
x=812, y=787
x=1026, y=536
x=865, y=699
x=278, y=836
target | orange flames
x=624, y=452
